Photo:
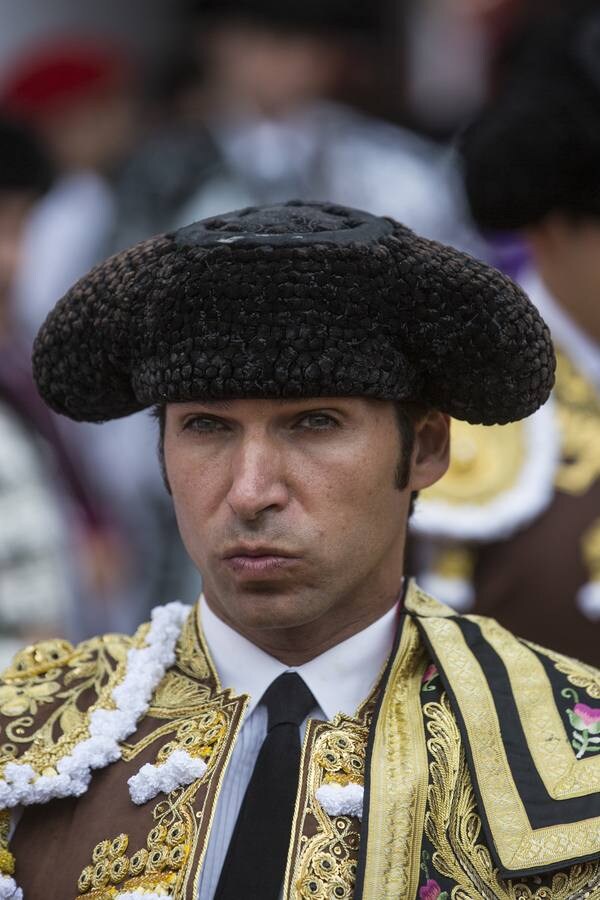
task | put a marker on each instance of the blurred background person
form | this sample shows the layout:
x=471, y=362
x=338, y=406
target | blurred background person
x=156, y=112
x=78, y=94
x=517, y=521
x=262, y=124
x=52, y=527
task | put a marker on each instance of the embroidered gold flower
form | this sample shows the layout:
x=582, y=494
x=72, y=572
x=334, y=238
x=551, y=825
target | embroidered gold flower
x=18, y=699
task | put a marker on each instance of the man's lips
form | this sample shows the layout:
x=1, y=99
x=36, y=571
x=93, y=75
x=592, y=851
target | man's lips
x=258, y=560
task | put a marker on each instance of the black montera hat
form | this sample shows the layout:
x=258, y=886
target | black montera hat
x=535, y=149
x=296, y=300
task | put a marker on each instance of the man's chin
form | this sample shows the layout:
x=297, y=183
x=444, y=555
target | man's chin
x=267, y=607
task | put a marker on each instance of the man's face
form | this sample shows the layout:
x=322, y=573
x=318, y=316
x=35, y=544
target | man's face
x=290, y=509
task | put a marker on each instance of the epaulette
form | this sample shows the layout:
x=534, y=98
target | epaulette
x=530, y=724
x=500, y=478
x=46, y=694
x=64, y=712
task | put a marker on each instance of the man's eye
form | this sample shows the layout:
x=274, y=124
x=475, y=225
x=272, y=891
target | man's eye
x=318, y=422
x=204, y=425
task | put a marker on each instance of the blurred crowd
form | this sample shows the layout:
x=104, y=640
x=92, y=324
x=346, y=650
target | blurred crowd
x=117, y=127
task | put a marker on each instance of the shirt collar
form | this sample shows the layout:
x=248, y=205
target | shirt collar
x=340, y=679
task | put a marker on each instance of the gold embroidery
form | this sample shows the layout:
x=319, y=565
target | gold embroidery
x=201, y=736
x=486, y=461
x=578, y=412
x=325, y=863
x=17, y=699
x=203, y=722
x=175, y=692
x=578, y=674
x=153, y=867
x=96, y=666
x=7, y=860
x=454, y=828
x=420, y=603
x=564, y=776
x=519, y=846
x=398, y=773
x=322, y=860
x=38, y=658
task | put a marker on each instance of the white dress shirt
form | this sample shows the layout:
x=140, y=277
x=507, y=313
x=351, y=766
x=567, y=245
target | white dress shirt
x=340, y=679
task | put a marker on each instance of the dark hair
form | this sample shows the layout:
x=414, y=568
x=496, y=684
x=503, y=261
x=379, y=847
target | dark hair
x=406, y=415
x=24, y=162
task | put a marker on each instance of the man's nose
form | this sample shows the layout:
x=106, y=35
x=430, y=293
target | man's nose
x=257, y=480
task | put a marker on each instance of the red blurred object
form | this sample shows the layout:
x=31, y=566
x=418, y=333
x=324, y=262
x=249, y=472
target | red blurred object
x=56, y=76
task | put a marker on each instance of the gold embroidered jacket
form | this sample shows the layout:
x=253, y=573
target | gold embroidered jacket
x=479, y=755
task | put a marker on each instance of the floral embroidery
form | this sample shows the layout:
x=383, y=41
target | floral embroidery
x=431, y=673
x=586, y=724
x=15, y=700
x=431, y=889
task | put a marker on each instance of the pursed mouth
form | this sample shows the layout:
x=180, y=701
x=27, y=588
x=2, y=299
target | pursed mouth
x=243, y=552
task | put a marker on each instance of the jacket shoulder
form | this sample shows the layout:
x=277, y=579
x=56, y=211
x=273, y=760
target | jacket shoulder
x=47, y=692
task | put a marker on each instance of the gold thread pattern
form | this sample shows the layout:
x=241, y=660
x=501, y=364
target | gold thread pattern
x=578, y=674
x=7, y=860
x=326, y=863
x=486, y=461
x=44, y=691
x=154, y=866
x=202, y=721
x=398, y=773
x=564, y=775
x=453, y=827
x=519, y=846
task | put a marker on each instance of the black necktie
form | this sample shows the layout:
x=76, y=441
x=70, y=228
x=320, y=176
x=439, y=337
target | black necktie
x=254, y=867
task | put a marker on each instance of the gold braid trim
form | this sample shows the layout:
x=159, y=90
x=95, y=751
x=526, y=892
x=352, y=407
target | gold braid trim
x=398, y=775
x=578, y=674
x=519, y=846
x=454, y=829
x=564, y=775
x=7, y=860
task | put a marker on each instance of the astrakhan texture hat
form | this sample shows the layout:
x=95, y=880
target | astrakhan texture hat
x=296, y=300
x=536, y=148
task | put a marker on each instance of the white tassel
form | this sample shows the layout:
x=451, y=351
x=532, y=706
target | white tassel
x=178, y=770
x=341, y=799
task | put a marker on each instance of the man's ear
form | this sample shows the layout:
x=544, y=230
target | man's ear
x=431, y=450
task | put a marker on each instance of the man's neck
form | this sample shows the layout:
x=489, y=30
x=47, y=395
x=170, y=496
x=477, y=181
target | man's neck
x=302, y=643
